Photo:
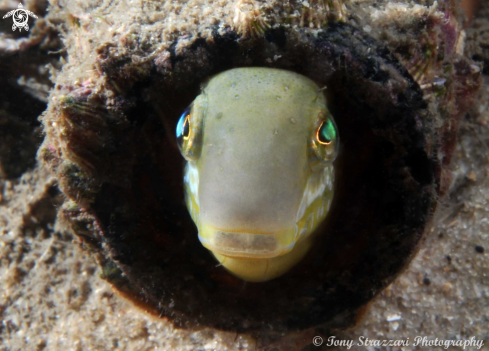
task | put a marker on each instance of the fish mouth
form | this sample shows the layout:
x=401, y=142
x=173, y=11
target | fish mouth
x=247, y=244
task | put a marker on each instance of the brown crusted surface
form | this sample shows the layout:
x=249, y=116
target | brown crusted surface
x=478, y=36
x=117, y=162
x=453, y=304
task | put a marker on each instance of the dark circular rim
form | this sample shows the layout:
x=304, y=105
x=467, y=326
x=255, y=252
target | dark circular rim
x=137, y=222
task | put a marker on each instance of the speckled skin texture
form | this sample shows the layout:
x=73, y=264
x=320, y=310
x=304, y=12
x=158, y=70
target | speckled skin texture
x=253, y=177
x=53, y=297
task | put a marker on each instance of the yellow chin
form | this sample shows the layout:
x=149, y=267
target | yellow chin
x=261, y=270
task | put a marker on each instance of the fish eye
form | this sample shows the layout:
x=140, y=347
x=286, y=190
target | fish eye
x=325, y=140
x=183, y=128
x=189, y=129
x=326, y=132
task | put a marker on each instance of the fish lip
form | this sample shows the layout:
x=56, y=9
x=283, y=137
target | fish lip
x=244, y=244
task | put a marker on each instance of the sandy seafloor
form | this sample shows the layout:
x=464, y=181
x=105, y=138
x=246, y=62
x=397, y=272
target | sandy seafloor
x=52, y=298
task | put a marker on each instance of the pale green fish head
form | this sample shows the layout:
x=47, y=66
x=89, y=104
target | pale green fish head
x=260, y=144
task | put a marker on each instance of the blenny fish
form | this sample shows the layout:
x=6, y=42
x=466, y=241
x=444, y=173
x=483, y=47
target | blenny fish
x=260, y=145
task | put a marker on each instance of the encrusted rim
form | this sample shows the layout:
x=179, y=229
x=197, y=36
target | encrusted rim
x=117, y=154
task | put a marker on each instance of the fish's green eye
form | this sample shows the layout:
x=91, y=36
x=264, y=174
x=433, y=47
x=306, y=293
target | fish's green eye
x=183, y=127
x=326, y=132
x=325, y=141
